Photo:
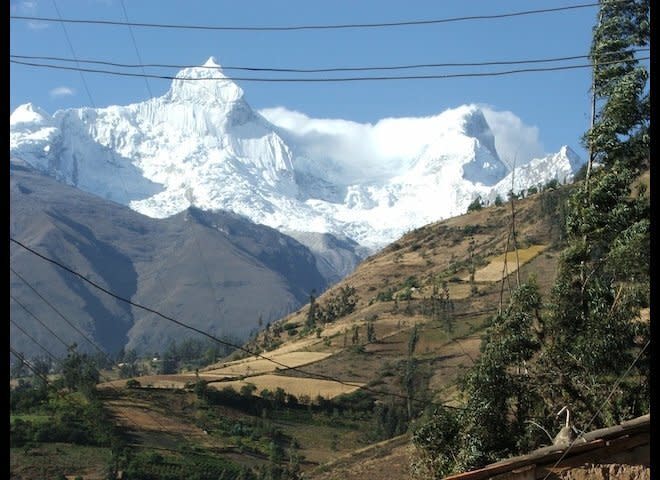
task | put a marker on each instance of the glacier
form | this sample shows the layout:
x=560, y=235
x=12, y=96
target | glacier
x=201, y=144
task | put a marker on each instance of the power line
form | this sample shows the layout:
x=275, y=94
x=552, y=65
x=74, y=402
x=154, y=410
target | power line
x=212, y=337
x=70, y=323
x=29, y=365
x=318, y=70
x=326, y=80
x=68, y=41
x=89, y=94
x=119, y=173
x=31, y=337
x=56, y=360
x=38, y=320
x=137, y=51
x=91, y=100
x=151, y=95
x=182, y=324
x=67, y=346
x=125, y=13
x=405, y=23
x=616, y=384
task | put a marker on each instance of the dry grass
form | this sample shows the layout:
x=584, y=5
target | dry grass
x=456, y=356
x=382, y=461
x=155, y=381
x=493, y=271
x=294, y=385
x=51, y=460
x=255, y=366
x=436, y=252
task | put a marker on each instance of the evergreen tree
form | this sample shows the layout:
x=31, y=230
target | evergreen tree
x=355, y=339
x=588, y=351
x=592, y=332
x=412, y=340
x=371, y=332
x=499, y=391
x=79, y=372
x=312, y=313
x=621, y=124
x=475, y=205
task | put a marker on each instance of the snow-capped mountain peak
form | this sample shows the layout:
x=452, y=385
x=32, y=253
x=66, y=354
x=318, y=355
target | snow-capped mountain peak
x=212, y=63
x=201, y=144
x=206, y=84
x=475, y=125
x=560, y=166
x=573, y=158
x=28, y=115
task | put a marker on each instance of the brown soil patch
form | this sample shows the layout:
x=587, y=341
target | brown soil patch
x=141, y=415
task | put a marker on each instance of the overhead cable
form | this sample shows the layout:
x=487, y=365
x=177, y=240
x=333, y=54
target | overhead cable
x=314, y=70
x=34, y=340
x=37, y=319
x=25, y=362
x=327, y=79
x=275, y=28
x=88, y=360
x=137, y=51
x=69, y=322
x=213, y=337
x=68, y=41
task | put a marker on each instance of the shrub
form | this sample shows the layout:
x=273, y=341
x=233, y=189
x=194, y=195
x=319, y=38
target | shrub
x=476, y=205
x=385, y=296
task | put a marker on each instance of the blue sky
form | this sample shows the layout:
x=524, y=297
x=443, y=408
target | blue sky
x=554, y=106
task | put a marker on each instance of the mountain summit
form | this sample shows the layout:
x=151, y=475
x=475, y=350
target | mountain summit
x=202, y=145
x=204, y=85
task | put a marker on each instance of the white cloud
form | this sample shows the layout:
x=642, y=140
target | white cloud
x=513, y=139
x=28, y=6
x=25, y=7
x=348, y=152
x=62, y=92
x=344, y=151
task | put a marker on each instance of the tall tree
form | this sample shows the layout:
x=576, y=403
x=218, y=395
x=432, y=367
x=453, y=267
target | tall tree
x=79, y=372
x=589, y=350
x=621, y=100
x=592, y=331
x=312, y=313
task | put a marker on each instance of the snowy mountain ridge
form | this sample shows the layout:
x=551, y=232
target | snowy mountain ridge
x=201, y=144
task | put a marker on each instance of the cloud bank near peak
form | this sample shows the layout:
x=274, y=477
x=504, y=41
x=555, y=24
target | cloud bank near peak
x=514, y=140
x=349, y=152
